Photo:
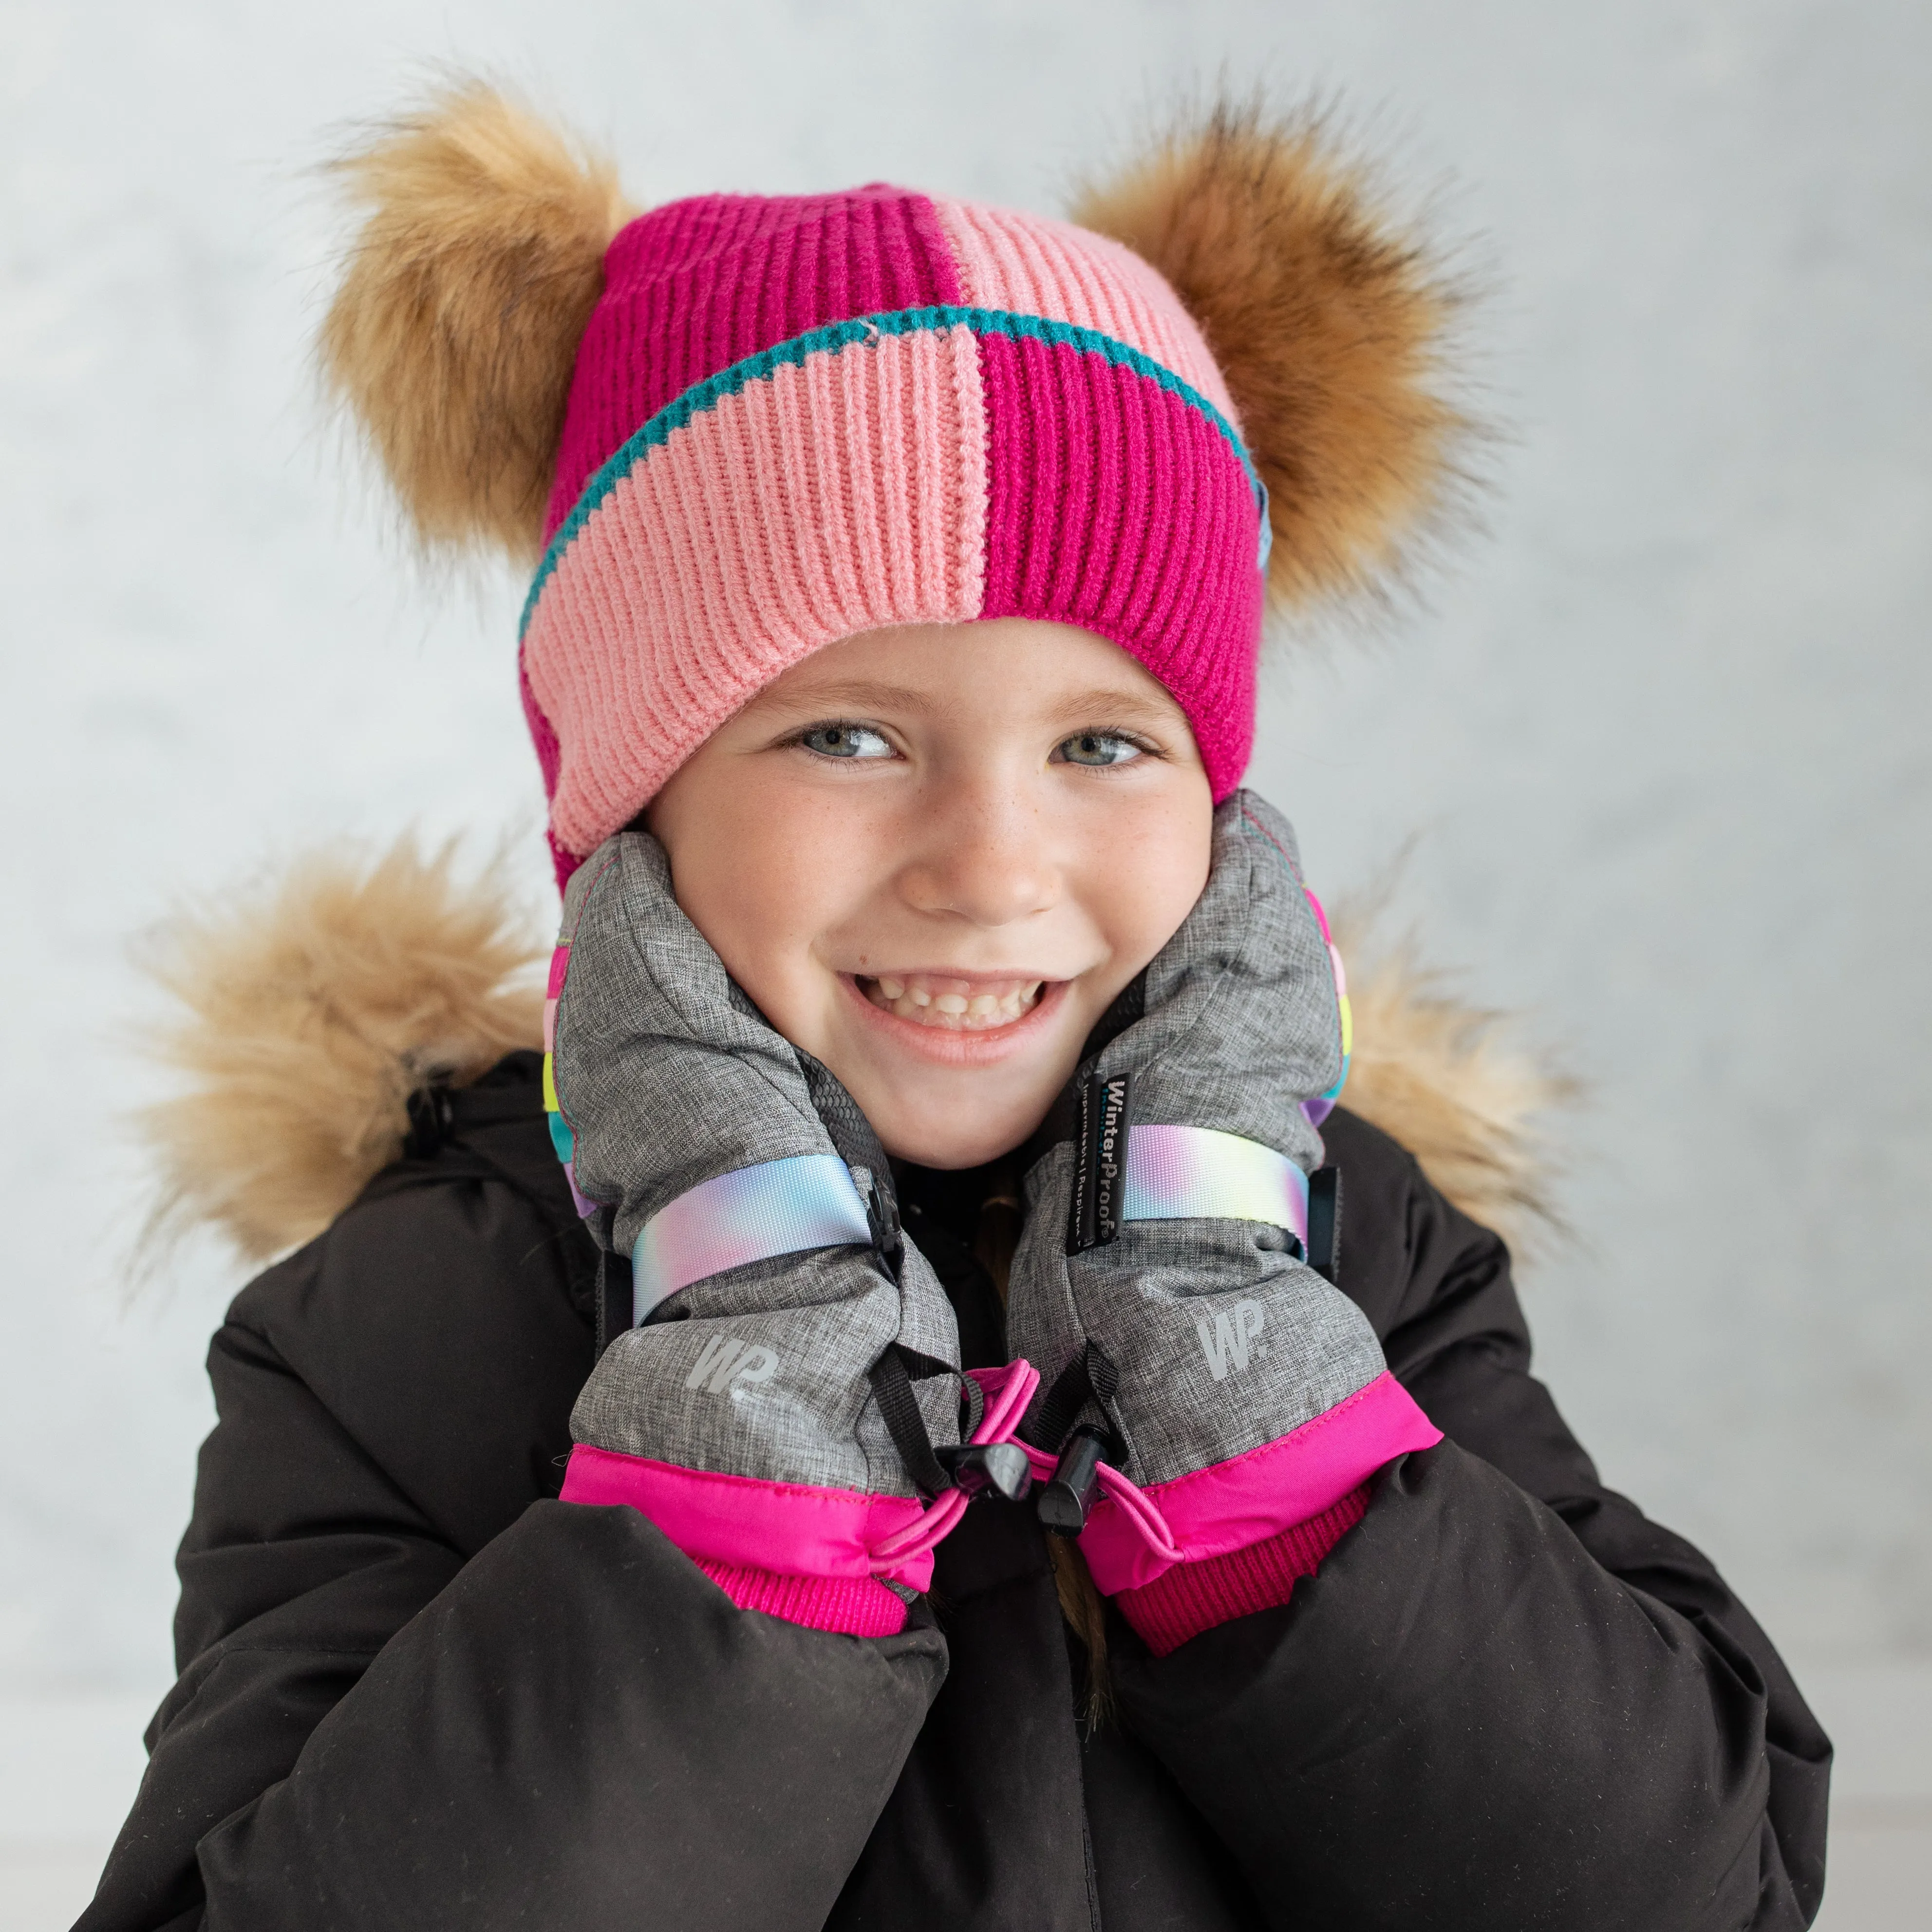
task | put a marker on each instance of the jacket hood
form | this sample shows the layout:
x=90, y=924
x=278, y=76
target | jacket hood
x=305, y=1013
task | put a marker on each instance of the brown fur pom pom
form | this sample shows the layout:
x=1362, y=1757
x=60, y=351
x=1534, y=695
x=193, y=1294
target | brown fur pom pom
x=1326, y=321
x=452, y=337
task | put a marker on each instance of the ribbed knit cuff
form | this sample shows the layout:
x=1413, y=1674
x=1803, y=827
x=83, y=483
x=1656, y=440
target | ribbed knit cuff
x=853, y=1606
x=1191, y=1598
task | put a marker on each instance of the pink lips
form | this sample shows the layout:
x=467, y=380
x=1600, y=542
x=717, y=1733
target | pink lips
x=1022, y=1008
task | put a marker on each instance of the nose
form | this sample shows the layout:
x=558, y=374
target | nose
x=983, y=853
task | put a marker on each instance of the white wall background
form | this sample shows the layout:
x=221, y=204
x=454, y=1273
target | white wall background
x=1662, y=738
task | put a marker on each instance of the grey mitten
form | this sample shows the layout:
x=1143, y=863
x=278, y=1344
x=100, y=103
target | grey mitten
x=782, y=1407
x=1212, y=1403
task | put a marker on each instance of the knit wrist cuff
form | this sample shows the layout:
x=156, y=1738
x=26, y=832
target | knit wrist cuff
x=852, y=1606
x=1182, y=1602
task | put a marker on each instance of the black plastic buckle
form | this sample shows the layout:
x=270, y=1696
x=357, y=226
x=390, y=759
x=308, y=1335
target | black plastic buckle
x=1324, y=1222
x=888, y=1236
x=987, y=1468
x=1064, y=1501
x=432, y=1117
x=616, y=1298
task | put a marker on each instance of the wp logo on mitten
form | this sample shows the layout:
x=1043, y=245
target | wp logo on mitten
x=725, y=1364
x=1226, y=1343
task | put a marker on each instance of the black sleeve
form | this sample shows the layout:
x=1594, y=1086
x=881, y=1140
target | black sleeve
x=1507, y=1699
x=415, y=1691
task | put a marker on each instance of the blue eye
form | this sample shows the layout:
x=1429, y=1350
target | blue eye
x=845, y=741
x=1098, y=748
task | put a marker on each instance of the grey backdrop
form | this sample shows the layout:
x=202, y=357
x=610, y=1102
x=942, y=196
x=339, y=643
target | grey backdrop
x=1660, y=739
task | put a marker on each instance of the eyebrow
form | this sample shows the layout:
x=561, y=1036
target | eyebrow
x=1107, y=703
x=856, y=693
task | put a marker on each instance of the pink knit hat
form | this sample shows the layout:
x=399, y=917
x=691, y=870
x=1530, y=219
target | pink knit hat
x=738, y=428
x=792, y=419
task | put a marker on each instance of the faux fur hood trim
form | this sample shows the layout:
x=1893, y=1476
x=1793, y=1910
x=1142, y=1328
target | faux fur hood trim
x=1456, y=1085
x=307, y=1013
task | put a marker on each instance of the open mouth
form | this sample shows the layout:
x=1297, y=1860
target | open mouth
x=951, y=1005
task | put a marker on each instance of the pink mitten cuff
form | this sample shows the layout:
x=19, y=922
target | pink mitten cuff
x=1190, y=1597
x=853, y=1606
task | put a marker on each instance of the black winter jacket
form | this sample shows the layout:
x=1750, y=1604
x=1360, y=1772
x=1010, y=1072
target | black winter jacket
x=417, y=1692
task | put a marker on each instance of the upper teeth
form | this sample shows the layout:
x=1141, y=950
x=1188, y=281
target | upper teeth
x=959, y=1006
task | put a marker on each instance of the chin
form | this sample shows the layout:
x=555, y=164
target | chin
x=946, y=1099
x=939, y=1137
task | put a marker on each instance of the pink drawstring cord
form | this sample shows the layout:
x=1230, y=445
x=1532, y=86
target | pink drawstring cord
x=1007, y=1391
x=1141, y=1512
x=1143, y=1515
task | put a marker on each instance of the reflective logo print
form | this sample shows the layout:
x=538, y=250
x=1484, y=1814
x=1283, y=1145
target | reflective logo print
x=725, y=1363
x=1226, y=1344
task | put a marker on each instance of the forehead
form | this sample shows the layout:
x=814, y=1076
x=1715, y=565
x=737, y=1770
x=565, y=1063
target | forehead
x=1001, y=666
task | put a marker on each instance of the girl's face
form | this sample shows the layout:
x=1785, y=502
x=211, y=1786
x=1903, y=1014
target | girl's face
x=934, y=855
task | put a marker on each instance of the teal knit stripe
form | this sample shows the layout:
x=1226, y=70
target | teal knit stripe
x=836, y=335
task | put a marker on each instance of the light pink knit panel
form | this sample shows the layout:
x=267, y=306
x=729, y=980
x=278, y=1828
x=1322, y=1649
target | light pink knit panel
x=1034, y=266
x=843, y=493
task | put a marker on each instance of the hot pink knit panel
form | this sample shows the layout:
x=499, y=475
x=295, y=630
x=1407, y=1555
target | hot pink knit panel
x=1191, y=1598
x=839, y=494
x=1033, y=266
x=694, y=286
x=852, y=1606
x=1117, y=505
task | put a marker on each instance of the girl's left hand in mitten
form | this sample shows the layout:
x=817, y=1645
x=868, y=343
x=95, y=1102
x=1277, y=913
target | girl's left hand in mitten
x=1215, y=1407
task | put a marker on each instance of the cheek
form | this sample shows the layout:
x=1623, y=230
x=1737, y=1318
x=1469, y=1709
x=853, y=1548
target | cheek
x=1145, y=880
x=763, y=876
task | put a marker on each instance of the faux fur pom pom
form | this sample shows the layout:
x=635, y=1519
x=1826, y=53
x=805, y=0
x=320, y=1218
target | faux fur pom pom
x=1326, y=321
x=452, y=337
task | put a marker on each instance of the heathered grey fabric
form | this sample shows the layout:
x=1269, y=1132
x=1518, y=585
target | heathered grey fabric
x=1241, y=1021
x=664, y=1080
x=669, y=1077
x=1241, y=1025
x=826, y=1317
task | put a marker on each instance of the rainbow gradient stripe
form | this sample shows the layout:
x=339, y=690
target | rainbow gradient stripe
x=1189, y=1174
x=778, y=1208
x=561, y=1138
x=1319, y=1109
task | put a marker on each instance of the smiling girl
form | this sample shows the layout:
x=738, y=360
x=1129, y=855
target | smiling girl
x=878, y=1423
x=934, y=869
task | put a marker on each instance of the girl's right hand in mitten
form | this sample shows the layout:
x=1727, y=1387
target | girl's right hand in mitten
x=788, y=1409
x=1214, y=1403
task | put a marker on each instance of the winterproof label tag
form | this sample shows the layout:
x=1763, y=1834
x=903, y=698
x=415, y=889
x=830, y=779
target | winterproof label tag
x=1099, y=1163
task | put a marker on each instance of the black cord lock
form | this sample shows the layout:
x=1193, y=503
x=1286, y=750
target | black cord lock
x=987, y=1468
x=1065, y=1501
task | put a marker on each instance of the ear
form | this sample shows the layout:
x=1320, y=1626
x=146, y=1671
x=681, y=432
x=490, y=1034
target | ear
x=1326, y=321
x=466, y=293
